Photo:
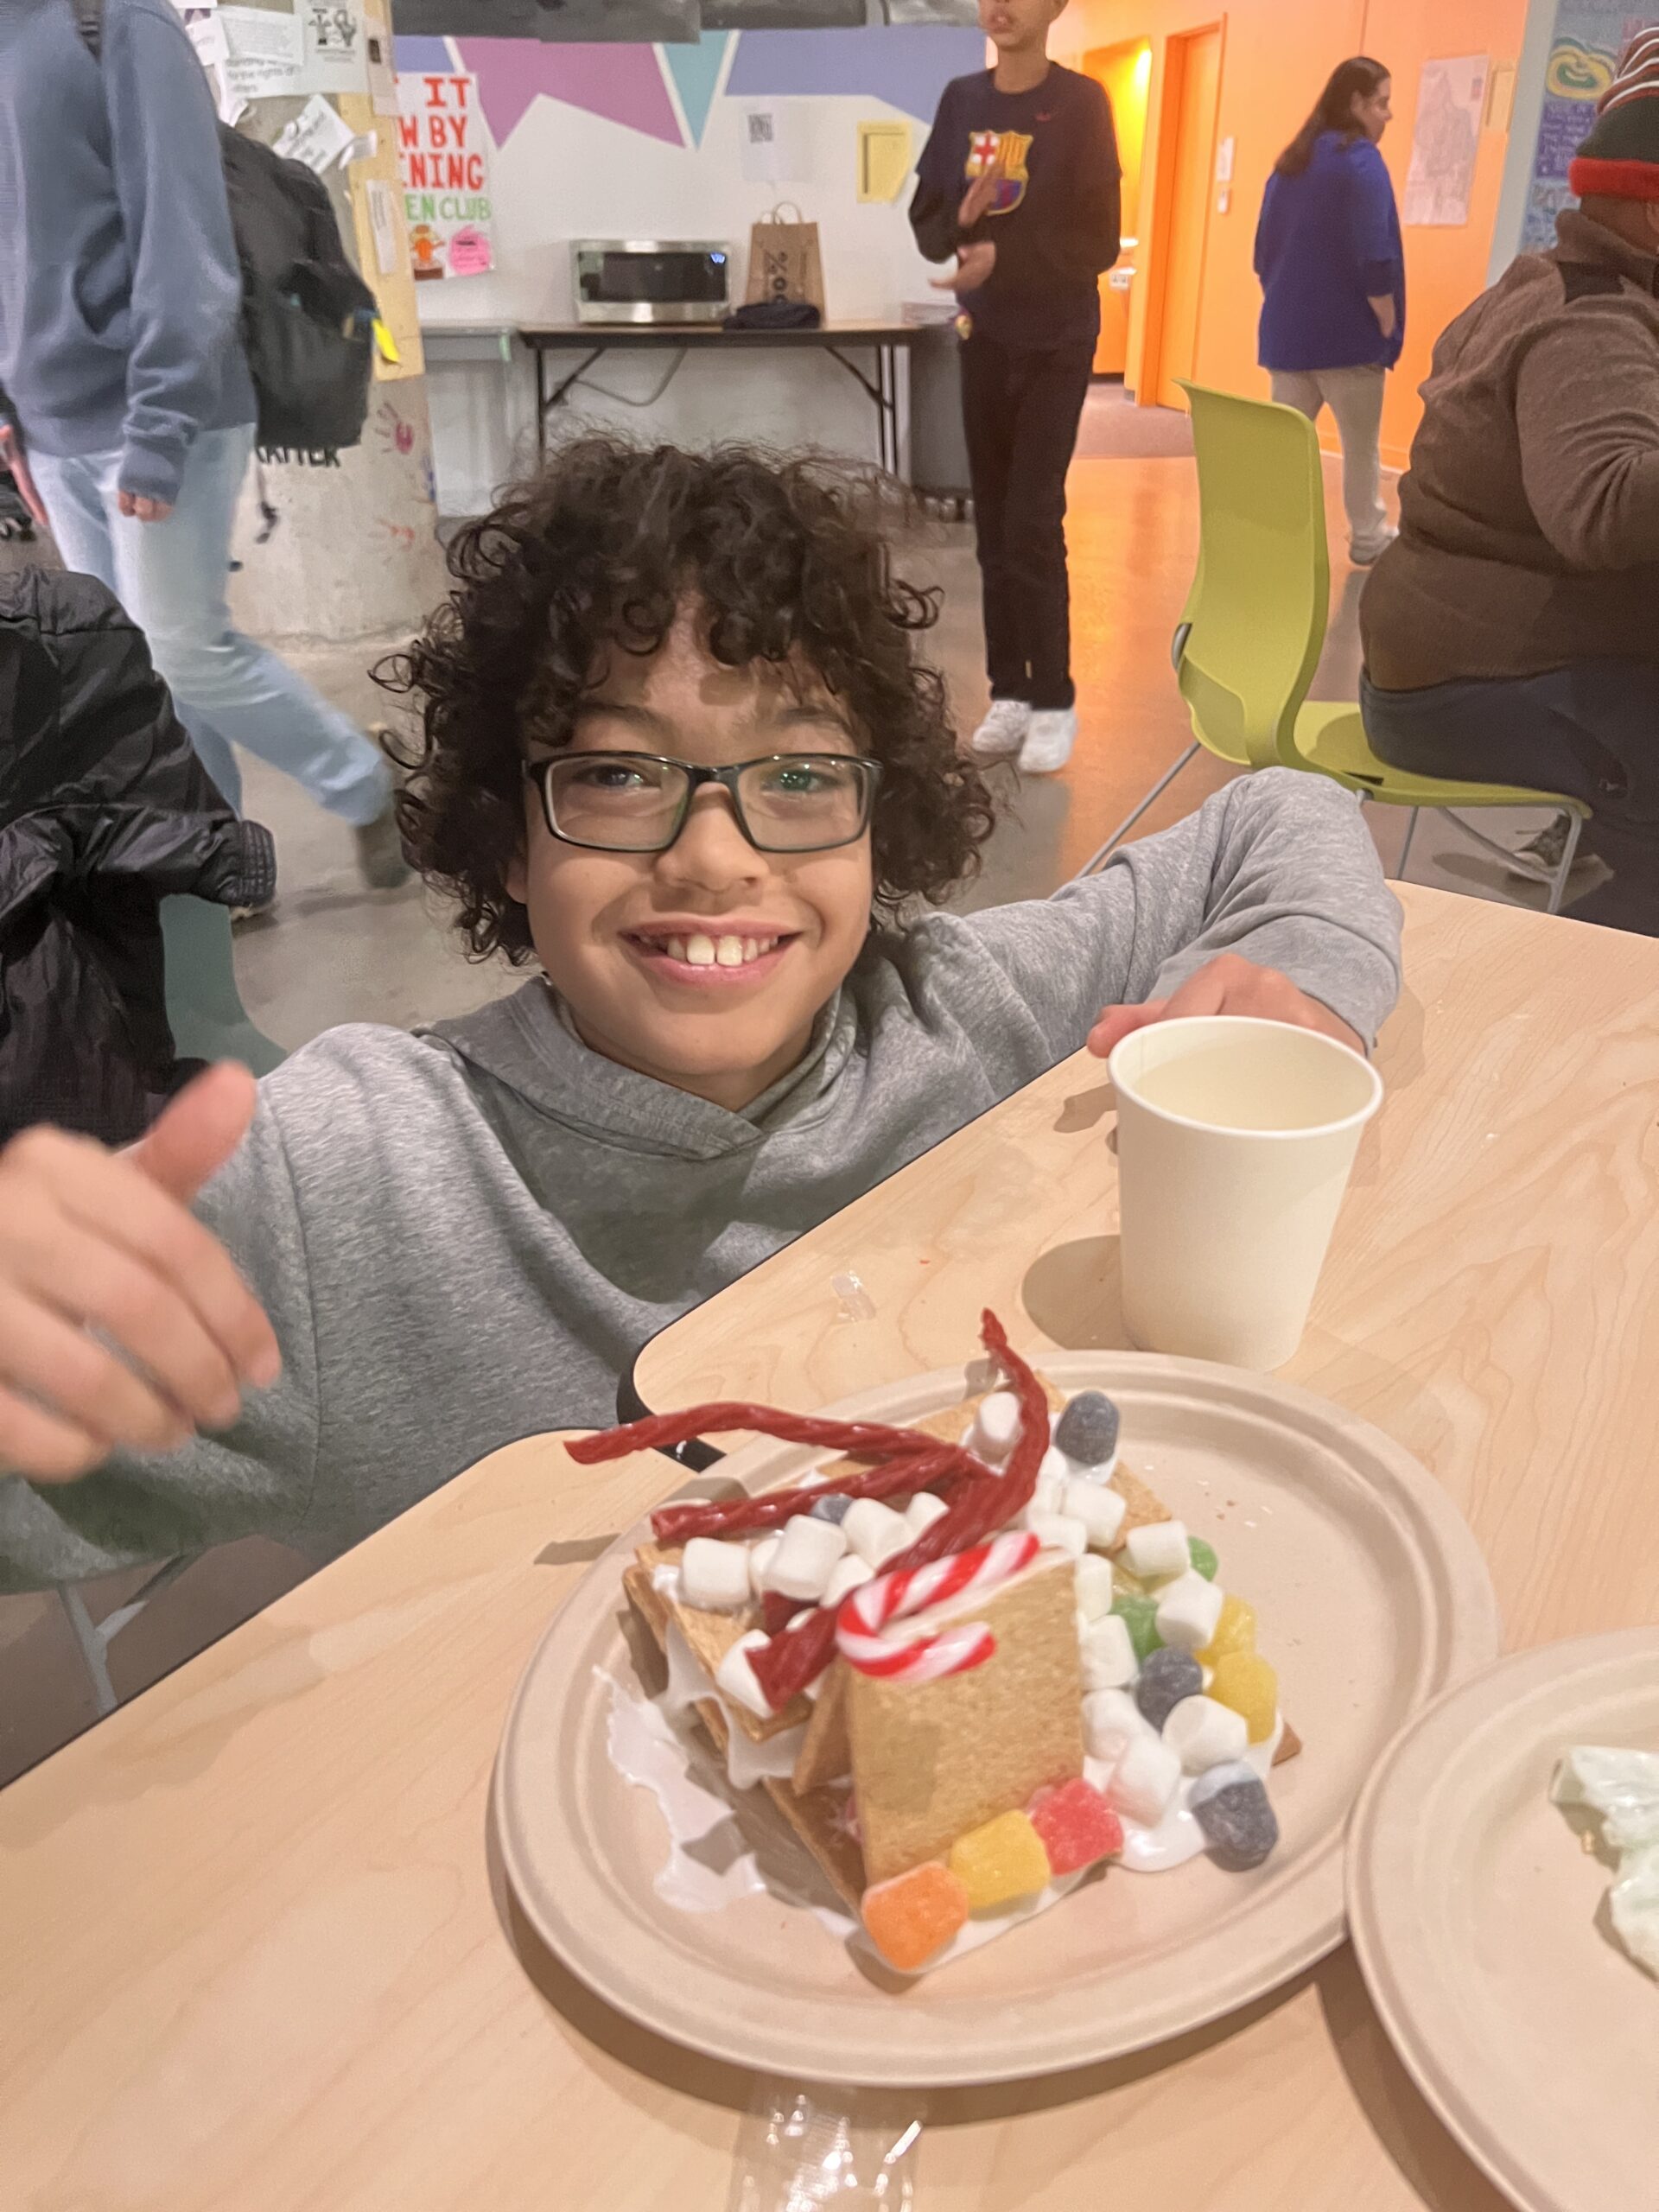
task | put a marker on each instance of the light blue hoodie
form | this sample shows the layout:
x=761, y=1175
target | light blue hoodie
x=119, y=288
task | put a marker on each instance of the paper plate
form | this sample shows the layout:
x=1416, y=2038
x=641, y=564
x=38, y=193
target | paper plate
x=1481, y=1927
x=1373, y=1598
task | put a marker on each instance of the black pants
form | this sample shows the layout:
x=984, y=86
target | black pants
x=1021, y=411
x=1590, y=732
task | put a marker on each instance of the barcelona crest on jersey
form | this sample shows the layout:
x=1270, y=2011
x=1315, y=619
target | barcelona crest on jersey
x=1001, y=154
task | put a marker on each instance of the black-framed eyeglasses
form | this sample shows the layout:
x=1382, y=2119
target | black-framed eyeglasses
x=638, y=801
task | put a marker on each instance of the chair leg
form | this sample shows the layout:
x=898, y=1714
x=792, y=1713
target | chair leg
x=1098, y=859
x=1517, y=864
x=1569, y=854
x=91, y=1649
x=1405, y=849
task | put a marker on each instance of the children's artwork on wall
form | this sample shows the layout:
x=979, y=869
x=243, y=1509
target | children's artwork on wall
x=783, y=15
x=1445, y=141
x=1590, y=34
x=443, y=155
x=641, y=22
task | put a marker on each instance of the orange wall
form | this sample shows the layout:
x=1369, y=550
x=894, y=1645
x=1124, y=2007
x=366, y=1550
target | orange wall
x=1276, y=55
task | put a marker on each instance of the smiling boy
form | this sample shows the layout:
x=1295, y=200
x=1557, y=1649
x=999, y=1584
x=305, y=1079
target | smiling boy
x=453, y=1238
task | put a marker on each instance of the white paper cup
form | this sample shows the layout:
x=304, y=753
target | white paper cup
x=1236, y=1139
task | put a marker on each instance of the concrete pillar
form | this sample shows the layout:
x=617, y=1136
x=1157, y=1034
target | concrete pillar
x=354, y=550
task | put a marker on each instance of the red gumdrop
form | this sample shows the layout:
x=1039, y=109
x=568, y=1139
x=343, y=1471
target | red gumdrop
x=1077, y=1825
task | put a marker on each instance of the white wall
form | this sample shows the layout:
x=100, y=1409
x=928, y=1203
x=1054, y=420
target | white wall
x=564, y=173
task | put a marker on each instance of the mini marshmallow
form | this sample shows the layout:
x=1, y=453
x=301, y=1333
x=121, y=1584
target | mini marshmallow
x=1109, y=1660
x=735, y=1676
x=1045, y=1496
x=1188, y=1609
x=845, y=1576
x=715, y=1575
x=1158, y=1551
x=1202, y=1734
x=875, y=1532
x=1101, y=1512
x=760, y=1558
x=1058, y=1532
x=807, y=1551
x=1096, y=1588
x=995, y=1426
x=1055, y=1467
x=1111, y=1722
x=923, y=1510
x=1144, y=1780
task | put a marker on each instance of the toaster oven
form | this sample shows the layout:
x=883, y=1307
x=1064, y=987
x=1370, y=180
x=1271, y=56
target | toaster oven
x=650, y=280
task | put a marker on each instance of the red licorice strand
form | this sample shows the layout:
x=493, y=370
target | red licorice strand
x=863, y=1439
x=736, y=1517
x=787, y=1664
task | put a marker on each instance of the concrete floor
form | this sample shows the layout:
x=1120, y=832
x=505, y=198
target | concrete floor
x=333, y=952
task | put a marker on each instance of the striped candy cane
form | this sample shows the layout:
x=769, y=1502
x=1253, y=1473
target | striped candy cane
x=890, y=1597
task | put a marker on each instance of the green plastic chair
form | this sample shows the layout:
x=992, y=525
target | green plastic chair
x=1253, y=629
x=204, y=1007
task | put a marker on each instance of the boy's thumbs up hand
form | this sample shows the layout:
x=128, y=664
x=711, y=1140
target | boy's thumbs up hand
x=97, y=1244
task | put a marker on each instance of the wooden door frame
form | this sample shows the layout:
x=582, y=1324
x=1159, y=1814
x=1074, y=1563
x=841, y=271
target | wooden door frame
x=1158, y=192
x=1145, y=42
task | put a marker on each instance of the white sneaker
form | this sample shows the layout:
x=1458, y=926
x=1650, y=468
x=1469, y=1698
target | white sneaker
x=1002, y=732
x=1048, y=744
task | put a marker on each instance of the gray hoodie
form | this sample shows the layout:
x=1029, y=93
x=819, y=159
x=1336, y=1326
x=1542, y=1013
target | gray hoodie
x=465, y=1235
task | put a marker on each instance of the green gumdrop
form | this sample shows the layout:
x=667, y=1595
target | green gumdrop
x=1203, y=1556
x=1139, y=1615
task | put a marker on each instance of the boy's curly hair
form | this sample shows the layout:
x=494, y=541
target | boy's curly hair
x=786, y=562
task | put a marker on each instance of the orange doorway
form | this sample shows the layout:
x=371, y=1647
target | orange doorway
x=1123, y=73
x=1185, y=170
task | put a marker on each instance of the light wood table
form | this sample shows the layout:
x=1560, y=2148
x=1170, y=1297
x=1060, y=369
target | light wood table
x=254, y=1953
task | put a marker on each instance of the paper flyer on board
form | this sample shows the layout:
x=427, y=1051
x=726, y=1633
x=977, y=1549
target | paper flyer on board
x=265, y=55
x=443, y=158
x=336, y=49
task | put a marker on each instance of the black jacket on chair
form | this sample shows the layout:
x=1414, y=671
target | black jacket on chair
x=104, y=809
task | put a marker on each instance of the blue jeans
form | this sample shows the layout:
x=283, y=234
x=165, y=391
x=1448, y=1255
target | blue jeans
x=1590, y=731
x=170, y=577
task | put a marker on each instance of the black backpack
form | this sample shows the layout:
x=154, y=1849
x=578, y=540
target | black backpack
x=307, y=317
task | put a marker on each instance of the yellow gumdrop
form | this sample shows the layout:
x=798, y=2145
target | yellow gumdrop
x=1235, y=1631
x=1245, y=1682
x=1001, y=1861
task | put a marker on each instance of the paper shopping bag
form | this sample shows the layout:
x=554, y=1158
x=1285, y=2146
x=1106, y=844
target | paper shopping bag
x=785, y=263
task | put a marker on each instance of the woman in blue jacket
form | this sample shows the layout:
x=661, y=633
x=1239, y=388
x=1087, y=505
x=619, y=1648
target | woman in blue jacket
x=1332, y=268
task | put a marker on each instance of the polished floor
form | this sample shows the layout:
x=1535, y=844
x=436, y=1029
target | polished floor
x=333, y=952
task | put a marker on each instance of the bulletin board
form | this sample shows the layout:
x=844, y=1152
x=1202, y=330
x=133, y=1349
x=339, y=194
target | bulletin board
x=377, y=194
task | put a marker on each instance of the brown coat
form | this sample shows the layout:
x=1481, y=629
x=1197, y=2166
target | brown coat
x=1530, y=520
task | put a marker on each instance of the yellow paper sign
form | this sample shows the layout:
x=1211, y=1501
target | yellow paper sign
x=386, y=343
x=883, y=160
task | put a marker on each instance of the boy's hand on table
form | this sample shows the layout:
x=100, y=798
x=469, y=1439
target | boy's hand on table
x=100, y=1245
x=1227, y=984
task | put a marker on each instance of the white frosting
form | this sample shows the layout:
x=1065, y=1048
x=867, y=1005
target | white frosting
x=666, y=1580
x=746, y=1762
x=735, y=1677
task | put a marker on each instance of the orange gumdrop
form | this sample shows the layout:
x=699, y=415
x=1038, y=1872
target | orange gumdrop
x=914, y=1915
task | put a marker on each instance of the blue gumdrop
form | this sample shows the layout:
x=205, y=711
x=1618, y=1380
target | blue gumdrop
x=1239, y=1824
x=1087, y=1430
x=832, y=1506
x=1166, y=1677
